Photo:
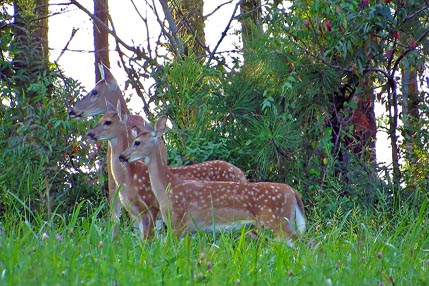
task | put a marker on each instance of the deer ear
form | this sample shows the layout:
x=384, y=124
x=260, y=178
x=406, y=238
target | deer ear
x=107, y=76
x=110, y=107
x=101, y=69
x=123, y=117
x=110, y=79
x=134, y=132
x=160, y=126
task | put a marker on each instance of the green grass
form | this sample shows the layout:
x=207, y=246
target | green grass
x=352, y=248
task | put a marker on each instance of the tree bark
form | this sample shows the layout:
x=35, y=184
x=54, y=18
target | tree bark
x=365, y=126
x=410, y=93
x=251, y=23
x=410, y=110
x=188, y=15
x=101, y=36
x=31, y=57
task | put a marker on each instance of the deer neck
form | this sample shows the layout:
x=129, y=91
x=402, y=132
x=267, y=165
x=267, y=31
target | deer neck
x=160, y=176
x=117, y=145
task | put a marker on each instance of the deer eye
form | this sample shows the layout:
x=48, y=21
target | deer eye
x=136, y=143
x=94, y=92
x=107, y=122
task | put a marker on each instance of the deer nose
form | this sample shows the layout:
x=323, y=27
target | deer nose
x=123, y=159
x=91, y=136
x=73, y=114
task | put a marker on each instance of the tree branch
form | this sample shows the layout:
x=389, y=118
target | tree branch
x=410, y=49
x=415, y=13
x=336, y=67
x=73, y=33
x=217, y=8
x=211, y=56
x=175, y=41
x=135, y=50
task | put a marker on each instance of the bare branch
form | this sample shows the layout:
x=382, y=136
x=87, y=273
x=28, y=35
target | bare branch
x=132, y=74
x=135, y=50
x=422, y=37
x=146, y=24
x=217, y=8
x=73, y=33
x=415, y=13
x=224, y=33
x=175, y=41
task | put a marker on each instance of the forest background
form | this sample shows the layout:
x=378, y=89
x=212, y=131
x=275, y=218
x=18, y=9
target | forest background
x=292, y=102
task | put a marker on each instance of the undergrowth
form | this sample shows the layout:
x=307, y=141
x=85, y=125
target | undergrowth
x=352, y=247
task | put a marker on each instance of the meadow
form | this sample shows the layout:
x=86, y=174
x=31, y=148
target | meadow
x=353, y=247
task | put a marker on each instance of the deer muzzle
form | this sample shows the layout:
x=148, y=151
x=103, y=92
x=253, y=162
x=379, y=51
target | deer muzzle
x=91, y=136
x=73, y=114
x=123, y=159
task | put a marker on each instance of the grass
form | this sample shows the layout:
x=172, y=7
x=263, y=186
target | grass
x=352, y=248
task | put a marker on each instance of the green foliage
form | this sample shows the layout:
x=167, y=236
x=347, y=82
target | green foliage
x=415, y=171
x=286, y=115
x=352, y=247
x=6, y=37
x=290, y=113
x=43, y=166
x=45, y=169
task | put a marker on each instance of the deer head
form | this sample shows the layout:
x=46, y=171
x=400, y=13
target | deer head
x=94, y=103
x=110, y=125
x=145, y=143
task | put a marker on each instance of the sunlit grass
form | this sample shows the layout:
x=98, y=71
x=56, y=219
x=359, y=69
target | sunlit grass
x=352, y=248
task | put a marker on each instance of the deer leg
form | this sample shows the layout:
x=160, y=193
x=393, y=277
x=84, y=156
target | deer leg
x=114, y=201
x=279, y=224
x=116, y=207
x=159, y=225
x=148, y=220
x=284, y=230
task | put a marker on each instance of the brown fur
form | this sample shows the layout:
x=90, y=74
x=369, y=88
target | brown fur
x=198, y=205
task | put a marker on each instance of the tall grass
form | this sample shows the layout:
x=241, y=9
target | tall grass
x=351, y=248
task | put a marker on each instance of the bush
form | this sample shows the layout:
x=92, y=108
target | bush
x=45, y=167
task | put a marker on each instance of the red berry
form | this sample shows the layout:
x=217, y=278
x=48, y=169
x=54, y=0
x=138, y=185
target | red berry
x=307, y=23
x=388, y=53
x=328, y=25
x=396, y=34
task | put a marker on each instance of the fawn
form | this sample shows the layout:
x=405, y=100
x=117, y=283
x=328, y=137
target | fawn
x=108, y=91
x=135, y=193
x=196, y=205
x=94, y=103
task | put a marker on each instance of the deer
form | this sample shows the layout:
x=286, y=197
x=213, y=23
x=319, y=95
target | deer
x=135, y=192
x=94, y=103
x=211, y=206
x=106, y=92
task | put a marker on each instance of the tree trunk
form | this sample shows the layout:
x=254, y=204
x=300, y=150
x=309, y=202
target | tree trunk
x=354, y=129
x=31, y=57
x=393, y=111
x=365, y=126
x=101, y=36
x=410, y=111
x=251, y=23
x=410, y=92
x=188, y=15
